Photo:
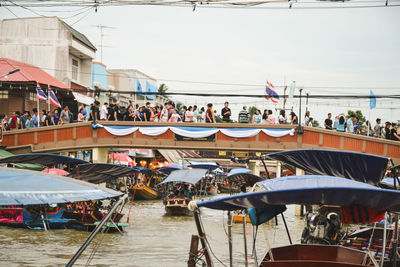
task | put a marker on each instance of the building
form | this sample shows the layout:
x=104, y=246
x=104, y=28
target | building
x=132, y=80
x=18, y=90
x=100, y=81
x=52, y=45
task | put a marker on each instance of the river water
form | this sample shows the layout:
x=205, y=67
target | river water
x=152, y=239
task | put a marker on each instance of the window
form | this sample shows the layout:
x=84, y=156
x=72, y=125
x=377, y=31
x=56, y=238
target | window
x=75, y=67
x=3, y=94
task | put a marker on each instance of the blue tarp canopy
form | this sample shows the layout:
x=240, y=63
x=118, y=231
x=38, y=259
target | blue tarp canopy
x=238, y=171
x=23, y=187
x=244, y=178
x=190, y=176
x=101, y=172
x=356, y=166
x=172, y=167
x=145, y=170
x=311, y=190
x=42, y=159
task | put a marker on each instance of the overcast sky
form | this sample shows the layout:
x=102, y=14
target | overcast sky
x=325, y=47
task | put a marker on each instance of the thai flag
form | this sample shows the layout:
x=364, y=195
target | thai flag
x=53, y=99
x=270, y=93
x=40, y=94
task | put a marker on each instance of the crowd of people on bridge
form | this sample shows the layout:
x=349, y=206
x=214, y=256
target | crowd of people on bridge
x=190, y=114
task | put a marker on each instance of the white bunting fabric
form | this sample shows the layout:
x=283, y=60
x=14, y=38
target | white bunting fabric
x=194, y=132
x=278, y=132
x=153, y=131
x=118, y=130
x=240, y=133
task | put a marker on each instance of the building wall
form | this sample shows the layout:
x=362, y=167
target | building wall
x=47, y=43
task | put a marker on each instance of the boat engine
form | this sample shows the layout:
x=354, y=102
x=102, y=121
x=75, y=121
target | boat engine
x=322, y=229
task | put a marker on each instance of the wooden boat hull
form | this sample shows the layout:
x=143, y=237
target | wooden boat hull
x=239, y=219
x=227, y=189
x=212, y=190
x=143, y=192
x=315, y=255
x=177, y=207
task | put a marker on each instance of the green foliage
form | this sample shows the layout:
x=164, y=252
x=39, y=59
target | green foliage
x=315, y=123
x=252, y=110
x=179, y=106
x=359, y=115
x=162, y=90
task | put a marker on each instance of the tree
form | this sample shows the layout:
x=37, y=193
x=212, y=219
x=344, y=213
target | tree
x=162, y=90
x=252, y=111
x=179, y=106
x=359, y=115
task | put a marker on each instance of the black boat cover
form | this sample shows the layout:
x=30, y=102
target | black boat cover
x=360, y=167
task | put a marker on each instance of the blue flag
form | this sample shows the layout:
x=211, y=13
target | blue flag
x=372, y=100
x=139, y=87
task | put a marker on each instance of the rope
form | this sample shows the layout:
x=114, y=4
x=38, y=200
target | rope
x=208, y=243
x=130, y=206
x=96, y=247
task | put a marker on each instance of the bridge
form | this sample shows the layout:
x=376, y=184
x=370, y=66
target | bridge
x=237, y=137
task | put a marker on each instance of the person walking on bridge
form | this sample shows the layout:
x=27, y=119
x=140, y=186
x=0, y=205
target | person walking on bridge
x=244, y=115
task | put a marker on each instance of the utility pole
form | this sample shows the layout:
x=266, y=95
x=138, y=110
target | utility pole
x=101, y=28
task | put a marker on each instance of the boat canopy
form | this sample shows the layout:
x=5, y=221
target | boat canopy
x=239, y=171
x=311, y=190
x=356, y=166
x=23, y=187
x=190, y=176
x=101, y=172
x=246, y=179
x=206, y=166
x=42, y=159
x=172, y=167
x=145, y=170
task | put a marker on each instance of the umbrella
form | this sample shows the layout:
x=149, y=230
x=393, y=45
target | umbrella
x=121, y=159
x=56, y=171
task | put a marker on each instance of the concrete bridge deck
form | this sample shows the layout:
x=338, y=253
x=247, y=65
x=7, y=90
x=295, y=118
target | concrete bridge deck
x=78, y=136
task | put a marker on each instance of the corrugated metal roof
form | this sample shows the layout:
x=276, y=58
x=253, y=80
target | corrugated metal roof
x=27, y=73
x=81, y=37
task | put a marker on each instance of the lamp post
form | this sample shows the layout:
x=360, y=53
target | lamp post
x=299, y=128
x=9, y=73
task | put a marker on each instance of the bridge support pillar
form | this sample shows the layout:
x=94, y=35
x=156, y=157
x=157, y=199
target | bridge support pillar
x=299, y=211
x=100, y=155
x=278, y=169
x=254, y=166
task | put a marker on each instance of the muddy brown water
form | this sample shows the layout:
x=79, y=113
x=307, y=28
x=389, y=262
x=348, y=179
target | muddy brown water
x=152, y=239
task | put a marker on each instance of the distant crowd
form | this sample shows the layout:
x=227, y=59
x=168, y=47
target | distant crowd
x=192, y=114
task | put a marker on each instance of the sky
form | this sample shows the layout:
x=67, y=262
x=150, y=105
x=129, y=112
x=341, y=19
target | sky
x=326, y=51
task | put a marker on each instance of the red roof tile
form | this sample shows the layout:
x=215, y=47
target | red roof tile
x=27, y=73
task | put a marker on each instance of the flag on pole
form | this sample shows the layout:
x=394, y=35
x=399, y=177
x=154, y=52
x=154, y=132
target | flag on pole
x=372, y=100
x=40, y=94
x=53, y=99
x=270, y=93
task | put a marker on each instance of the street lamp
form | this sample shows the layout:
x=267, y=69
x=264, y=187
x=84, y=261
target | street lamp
x=300, y=129
x=9, y=73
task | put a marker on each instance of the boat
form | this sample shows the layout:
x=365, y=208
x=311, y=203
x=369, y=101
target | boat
x=177, y=207
x=225, y=188
x=37, y=200
x=37, y=219
x=183, y=186
x=143, y=192
x=305, y=190
x=315, y=256
x=238, y=217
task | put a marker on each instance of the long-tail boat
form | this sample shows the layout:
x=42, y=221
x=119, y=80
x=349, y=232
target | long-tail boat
x=188, y=180
x=307, y=190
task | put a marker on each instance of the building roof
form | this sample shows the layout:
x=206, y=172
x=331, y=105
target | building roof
x=80, y=36
x=27, y=73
